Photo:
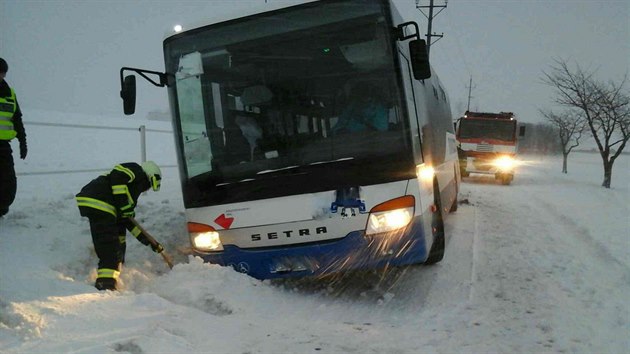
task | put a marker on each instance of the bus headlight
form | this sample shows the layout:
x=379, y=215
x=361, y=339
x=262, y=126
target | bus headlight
x=204, y=237
x=391, y=215
x=425, y=173
x=505, y=163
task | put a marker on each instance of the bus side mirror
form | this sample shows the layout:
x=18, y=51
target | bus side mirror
x=419, y=59
x=128, y=94
x=521, y=130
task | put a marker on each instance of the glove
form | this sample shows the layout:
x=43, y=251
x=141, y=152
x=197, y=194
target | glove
x=23, y=150
x=157, y=247
x=128, y=214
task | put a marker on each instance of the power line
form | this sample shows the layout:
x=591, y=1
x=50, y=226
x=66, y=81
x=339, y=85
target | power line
x=430, y=17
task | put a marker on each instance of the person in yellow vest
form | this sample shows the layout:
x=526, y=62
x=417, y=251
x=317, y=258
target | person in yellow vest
x=10, y=127
x=109, y=202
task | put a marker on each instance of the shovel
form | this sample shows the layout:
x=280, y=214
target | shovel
x=153, y=242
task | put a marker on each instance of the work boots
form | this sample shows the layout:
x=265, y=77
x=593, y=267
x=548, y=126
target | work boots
x=105, y=284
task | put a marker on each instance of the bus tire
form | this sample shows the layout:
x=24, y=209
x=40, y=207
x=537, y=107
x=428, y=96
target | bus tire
x=455, y=202
x=436, y=254
x=454, y=205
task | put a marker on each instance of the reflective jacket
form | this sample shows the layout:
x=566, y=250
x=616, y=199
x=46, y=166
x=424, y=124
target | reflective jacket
x=115, y=193
x=10, y=115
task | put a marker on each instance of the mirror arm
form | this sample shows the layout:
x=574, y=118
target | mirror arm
x=400, y=31
x=142, y=72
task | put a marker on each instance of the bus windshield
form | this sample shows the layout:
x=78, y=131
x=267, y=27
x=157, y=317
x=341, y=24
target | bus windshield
x=299, y=100
x=487, y=128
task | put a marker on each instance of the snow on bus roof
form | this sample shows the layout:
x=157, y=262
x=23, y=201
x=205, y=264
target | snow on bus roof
x=234, y=13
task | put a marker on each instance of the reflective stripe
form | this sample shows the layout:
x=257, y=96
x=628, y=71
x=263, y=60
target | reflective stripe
x=126, y=171
x=136, y=231
x=96, y=204
x=122, y=239
x=8, y=107
x=107, y=273
x=123, y=190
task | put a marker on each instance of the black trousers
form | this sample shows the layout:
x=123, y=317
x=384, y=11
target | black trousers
x=108, y=236
x=8, y=181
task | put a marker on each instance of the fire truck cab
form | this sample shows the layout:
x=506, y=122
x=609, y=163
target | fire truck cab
x=487, y=143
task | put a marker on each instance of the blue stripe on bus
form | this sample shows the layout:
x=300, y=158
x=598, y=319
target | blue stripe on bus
x=353, y=252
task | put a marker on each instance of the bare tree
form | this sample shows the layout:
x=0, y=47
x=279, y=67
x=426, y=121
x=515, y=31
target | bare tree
x=605, y=107
x=569, y=125
x=613, y=124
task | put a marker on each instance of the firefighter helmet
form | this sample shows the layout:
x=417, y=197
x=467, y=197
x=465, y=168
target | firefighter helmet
x=153, y=172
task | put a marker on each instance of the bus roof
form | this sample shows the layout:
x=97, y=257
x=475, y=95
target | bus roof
x=234, y=13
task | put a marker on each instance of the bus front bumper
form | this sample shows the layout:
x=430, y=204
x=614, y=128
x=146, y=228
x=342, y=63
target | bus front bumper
x=352, y=252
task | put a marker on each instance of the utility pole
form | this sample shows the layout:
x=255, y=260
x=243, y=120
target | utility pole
x=469, y=90
x=430, y=17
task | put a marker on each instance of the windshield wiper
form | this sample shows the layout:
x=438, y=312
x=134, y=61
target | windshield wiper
x=277, y=170
x=289, y=168
x=331, y=161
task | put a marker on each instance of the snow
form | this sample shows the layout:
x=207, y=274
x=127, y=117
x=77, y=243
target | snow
x=538, y=266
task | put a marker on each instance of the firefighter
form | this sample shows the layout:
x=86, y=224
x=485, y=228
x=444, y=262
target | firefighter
x=10, y=127
x=109, y=202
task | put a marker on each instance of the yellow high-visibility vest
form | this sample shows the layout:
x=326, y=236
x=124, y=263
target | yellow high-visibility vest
x=8, y=106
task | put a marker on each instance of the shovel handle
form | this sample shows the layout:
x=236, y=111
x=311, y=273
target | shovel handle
x=167, y=258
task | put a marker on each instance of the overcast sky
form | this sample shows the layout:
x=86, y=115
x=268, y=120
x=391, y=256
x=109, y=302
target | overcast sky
x=66, y=55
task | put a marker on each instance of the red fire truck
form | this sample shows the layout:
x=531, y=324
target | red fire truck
x=487, y=143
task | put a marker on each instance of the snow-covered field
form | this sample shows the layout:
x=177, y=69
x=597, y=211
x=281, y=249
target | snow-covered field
x=541, y=265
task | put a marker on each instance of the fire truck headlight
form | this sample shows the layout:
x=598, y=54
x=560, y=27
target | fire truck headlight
x=204, y=237
x=505, y=163
x=392, y=215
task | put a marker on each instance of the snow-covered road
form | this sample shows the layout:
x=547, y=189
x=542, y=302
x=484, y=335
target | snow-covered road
x=538, y=266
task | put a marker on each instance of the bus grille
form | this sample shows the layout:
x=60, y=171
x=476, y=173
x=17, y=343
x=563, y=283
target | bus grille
x=484, y=147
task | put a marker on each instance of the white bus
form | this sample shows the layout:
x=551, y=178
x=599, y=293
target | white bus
x=311, y=139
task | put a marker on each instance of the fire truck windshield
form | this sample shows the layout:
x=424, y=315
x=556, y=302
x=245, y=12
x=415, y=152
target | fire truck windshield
x=487, y=128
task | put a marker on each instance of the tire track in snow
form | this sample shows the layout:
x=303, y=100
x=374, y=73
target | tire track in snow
x=588, y=278
x=584, y=235
x=475, y=257
x=508, y=292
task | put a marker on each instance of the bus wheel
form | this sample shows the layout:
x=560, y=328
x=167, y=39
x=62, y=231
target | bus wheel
x=437, y=226
x=455, y=202
x=454, y=205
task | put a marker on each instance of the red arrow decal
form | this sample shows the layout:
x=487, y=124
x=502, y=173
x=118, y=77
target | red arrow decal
x=224, y=221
